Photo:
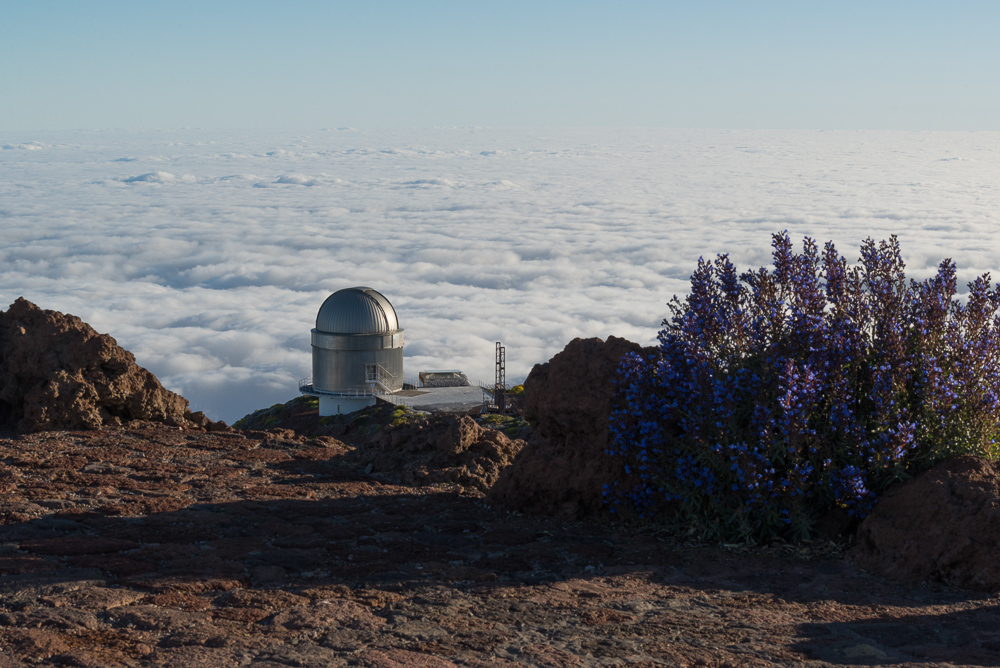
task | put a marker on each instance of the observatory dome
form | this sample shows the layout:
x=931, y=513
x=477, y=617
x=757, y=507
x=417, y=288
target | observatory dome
x=357, y=348
x=357, y=311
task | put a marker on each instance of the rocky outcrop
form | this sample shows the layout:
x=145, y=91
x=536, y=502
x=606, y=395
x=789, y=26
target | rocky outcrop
x=942, y=526
x=56, y=372
x=439, y=449
x=399, y=445
x=567, y=400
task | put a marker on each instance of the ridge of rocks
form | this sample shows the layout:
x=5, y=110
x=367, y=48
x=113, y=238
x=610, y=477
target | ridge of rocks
x=395, y=444
x=57, y=372
x=160, y=544
x=564, y=466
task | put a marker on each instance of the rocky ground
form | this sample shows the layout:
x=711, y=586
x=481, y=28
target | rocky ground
x=159, y=546
x=134, y=532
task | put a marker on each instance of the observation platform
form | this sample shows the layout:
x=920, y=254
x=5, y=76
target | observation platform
x=439, y=399
x=431, y=399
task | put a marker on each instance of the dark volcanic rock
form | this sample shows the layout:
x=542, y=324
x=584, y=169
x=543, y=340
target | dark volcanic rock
x=400, y=445
x=942, y=526
x=440, y=449
x=56, y=372
x=568, y=401
x=158, y=546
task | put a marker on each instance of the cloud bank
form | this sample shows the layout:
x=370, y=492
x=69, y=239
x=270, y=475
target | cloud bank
x=208, y=254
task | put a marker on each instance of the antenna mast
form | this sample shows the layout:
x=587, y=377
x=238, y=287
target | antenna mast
x=500, y=384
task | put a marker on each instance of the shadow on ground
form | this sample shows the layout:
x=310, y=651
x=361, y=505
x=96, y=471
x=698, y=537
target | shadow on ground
x=304, y=561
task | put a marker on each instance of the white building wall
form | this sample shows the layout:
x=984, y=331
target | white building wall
x=342, y=405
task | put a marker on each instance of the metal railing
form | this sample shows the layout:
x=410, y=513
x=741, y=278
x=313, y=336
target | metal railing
x=306, y=387
x=381, y=381
x=378, y=376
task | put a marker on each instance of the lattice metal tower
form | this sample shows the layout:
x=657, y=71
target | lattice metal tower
x=500, y=384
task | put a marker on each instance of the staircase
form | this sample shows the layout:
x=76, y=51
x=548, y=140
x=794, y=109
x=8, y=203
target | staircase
x=380, y=380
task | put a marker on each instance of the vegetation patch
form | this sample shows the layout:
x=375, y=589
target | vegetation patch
x=278, y=415
x=508, y=424
x=373, y=418
x=402, y=415
x=777, y=395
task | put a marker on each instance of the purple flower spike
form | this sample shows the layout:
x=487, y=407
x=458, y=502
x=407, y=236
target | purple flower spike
x=780, y=393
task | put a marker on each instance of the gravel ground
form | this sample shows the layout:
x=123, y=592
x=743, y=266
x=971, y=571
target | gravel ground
x=156, y=546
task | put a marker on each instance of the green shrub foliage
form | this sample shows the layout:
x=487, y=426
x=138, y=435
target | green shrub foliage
x=779, y=394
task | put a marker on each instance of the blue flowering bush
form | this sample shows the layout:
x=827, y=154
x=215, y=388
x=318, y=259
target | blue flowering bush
x=777, y=395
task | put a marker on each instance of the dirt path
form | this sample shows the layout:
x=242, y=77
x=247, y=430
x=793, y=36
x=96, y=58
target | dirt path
x=160, y=547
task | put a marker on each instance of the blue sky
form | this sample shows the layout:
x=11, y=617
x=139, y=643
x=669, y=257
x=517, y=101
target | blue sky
x=304, y=65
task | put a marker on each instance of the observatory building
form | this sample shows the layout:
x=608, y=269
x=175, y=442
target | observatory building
x=357, y=351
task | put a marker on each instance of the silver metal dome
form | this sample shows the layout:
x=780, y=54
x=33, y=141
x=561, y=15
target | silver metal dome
x=357, y=311
x=357, y=351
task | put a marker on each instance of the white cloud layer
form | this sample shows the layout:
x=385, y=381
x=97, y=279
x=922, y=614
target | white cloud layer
x=207, y=254
x=158, y=177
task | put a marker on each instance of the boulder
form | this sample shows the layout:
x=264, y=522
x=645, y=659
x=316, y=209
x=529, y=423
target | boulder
x=942, y=526
x=564, y=466
x=56, y=372
x=442, y=448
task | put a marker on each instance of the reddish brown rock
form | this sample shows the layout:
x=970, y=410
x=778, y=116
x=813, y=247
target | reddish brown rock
x=396, y=444
x=401, y=658
x=328, y=613
x=36, y=643
x=942, y=526
x=56, y=372
x=369, y=574
x=568, y=400
x=441, y=448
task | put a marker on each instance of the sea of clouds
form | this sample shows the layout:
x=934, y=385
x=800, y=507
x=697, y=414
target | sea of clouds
x=208, y=253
